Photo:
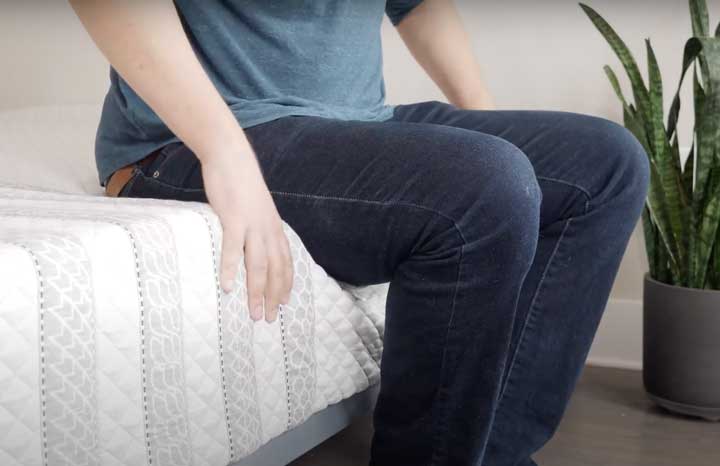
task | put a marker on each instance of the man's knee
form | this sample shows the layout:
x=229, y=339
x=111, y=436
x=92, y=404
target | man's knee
x=503, y=206
x=618, y=159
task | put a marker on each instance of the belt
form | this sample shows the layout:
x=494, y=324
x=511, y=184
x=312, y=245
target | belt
x=120, y=178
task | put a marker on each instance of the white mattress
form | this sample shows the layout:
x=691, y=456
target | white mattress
x=118, y=348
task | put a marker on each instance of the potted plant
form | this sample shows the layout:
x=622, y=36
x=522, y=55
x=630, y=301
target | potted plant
x=681, y=219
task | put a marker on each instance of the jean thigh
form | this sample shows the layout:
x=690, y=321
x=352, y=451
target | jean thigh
x=366, y=196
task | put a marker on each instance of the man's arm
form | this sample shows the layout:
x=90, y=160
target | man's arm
x=434, y=34
x=144, y=41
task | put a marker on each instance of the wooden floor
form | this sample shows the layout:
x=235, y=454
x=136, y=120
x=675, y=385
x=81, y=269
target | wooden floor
x=610, y=422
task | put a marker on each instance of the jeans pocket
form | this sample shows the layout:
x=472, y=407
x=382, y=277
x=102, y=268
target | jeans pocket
x=176, y=167
x=174, y=174
x=163, y=157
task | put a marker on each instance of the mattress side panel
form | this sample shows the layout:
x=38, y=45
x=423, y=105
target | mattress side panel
x=20, y=414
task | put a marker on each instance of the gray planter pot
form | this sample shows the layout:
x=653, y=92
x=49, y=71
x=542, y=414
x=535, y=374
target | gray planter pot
x=681, y=348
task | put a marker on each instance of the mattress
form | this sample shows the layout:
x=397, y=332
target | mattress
x=117, y=346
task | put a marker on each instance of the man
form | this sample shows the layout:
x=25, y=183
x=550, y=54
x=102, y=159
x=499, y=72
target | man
x=500, y=232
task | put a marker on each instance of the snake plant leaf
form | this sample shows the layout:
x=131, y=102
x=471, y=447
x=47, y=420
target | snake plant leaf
x=615, y=83
x=707, y=171
x=705, y=232
x=655, y=84
x=665, y=272
x=701, y=29
x=706, y=237
x=662, y=137
x=654, y=244
x=707, y=121
x=692, y=49
x=714, y=274
x=711, y=81
x=668, y=168
x=702, y=165
x=634, y=125
x=692, y=259
x=700, y=248
x=700, y=18
x=630, y=117
x=658, y=212
x=650, y=235
x=656, y=203
x=688, y=176
x=640, y=92
x=662, y=263
x=681, y=219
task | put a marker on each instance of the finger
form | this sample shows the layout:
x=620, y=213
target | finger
x=287, y=269
x=232, y=251
x=256, y=265
x=276, y=281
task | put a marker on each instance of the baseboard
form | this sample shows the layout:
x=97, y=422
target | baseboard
x=615, y=363
x=618, y=342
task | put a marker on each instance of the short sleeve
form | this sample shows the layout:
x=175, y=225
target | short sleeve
x=397, y=10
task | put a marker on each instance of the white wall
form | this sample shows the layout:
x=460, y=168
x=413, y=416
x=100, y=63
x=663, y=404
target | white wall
x=536, y=55
x=46, y=57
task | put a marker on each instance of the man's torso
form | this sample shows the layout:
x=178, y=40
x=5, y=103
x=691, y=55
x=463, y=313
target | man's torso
x=268, y=59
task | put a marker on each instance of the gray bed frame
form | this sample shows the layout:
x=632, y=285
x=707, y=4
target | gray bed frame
x=319, y=427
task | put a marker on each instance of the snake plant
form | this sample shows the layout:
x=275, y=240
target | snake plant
x=682, y=211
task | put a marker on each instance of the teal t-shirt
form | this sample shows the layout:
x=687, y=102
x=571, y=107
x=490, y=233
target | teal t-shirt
x=268, y=59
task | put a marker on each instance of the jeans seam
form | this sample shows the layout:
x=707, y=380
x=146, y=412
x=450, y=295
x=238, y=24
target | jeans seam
x=532, y=310
x=443, y=364
x=443, y=412
x=587, y=194
x=168, y=185
x=378, y=203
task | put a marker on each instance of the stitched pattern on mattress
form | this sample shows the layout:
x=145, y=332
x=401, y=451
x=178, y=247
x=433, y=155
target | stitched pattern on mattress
x=214, y=248
x=162, y=341
x=236, y=359
x=228, y=385
x=237, y=334
x=297, y=326
x=161, y=335
x=67, y=352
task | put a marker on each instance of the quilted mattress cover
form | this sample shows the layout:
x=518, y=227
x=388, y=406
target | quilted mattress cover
x=117, y=346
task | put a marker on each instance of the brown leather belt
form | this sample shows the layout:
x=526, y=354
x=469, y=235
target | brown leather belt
x=120, y=178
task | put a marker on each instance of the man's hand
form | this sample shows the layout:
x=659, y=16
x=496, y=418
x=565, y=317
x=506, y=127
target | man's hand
x=147, y=45
x=251, y=225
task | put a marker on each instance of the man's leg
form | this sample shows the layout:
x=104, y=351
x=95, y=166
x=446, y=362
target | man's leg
x=593, y=175
x=448, y=216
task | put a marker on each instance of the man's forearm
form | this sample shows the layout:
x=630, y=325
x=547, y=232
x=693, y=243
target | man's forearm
x=434, y=34
x=145, y=43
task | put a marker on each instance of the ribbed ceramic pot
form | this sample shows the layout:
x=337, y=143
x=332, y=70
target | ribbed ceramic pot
x=681, y=348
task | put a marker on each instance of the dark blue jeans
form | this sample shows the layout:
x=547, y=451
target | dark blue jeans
x=500, y=234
